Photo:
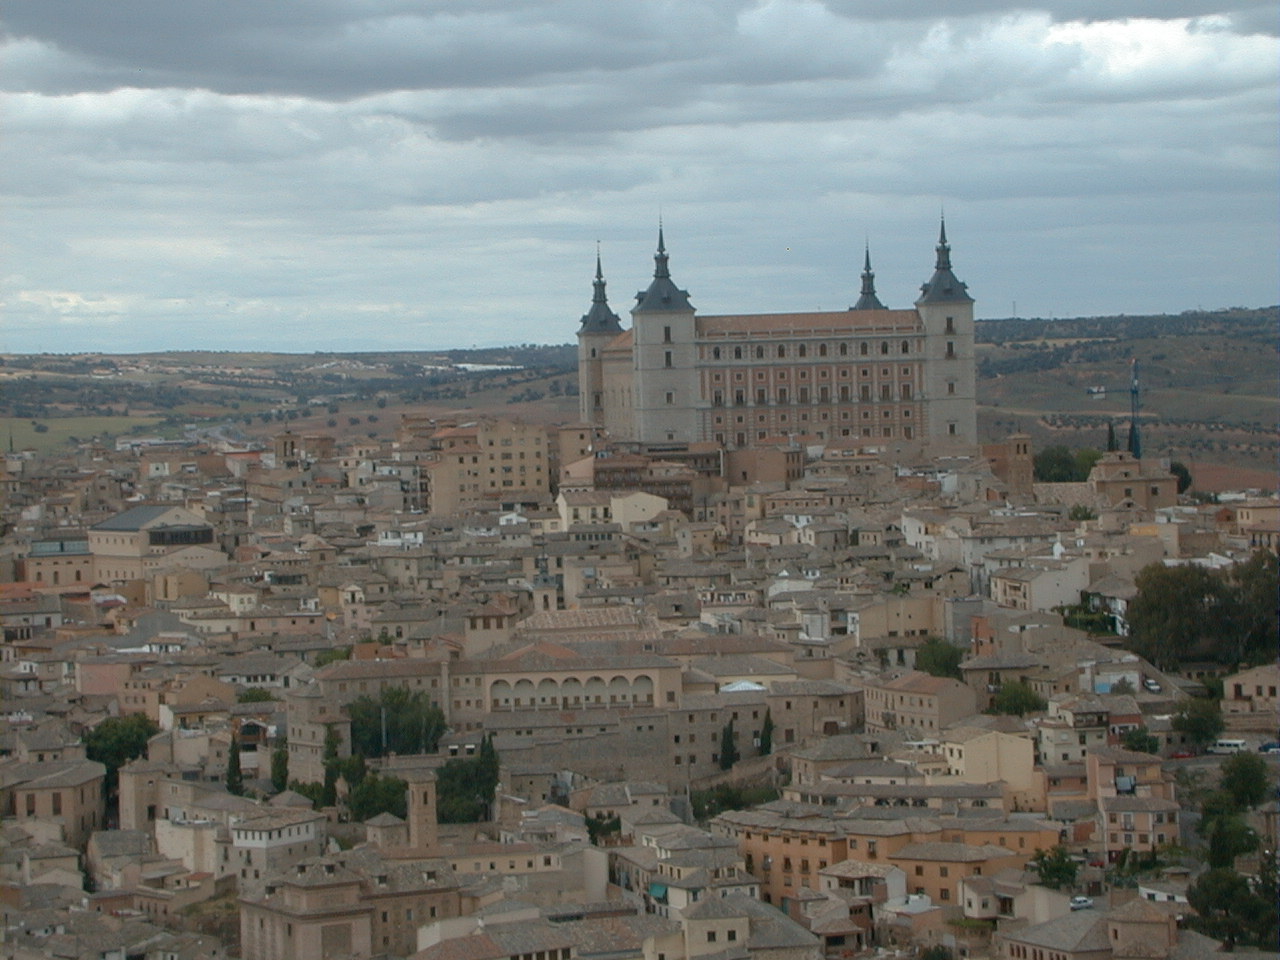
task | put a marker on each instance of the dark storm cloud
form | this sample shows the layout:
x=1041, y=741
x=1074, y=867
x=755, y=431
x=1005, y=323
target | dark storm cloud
x=183, y=171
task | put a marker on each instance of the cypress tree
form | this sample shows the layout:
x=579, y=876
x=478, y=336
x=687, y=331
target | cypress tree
x=235, y=778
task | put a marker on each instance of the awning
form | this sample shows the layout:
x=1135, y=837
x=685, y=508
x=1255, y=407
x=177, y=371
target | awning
x=658, y=891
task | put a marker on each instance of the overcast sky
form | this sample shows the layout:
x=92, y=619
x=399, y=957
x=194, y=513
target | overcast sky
x=416, y=174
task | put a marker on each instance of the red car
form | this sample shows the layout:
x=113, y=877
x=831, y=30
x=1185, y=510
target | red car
x=1181, y=755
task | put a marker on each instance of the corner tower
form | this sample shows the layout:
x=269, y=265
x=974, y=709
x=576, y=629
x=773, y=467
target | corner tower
x=868, y=300
x=946, y=310
x=666, y=381
x=599, y=326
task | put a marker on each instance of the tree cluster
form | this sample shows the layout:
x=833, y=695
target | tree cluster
x=117, y=740
x=1017, y=699
x=939, y=658
x=1060, y=464
x=1191, y=613
x=397, y=722
x=1055, y=868
x=465, y=786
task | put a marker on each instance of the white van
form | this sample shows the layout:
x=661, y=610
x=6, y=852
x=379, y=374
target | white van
x=1226, y=746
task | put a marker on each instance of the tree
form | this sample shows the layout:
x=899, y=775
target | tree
x=1055, y=868
x=1054, y=464
x=377, y=794
x=1245, y=779
x=936, y=952
x=332, y=741
x=939, y=658
x=1085, y=459
x=1017, y=699
x=1122, y=686
x=1200, y=719
x=766, y=734
x=728, y=747
x=1141, y=740
x=397, y=722
x=1112, y=444
x=235, y=778
x=1252, y=587
x=255, y=695
x=117, y=740
x=1217, y=896
x=464, y=789
x=1229, y=837
x=1176, y=614
x=1179, y=470
x=326, y=657
x=280, y=768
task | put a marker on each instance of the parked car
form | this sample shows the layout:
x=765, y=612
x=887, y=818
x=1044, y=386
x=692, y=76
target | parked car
x=1270, y=747
x=1153, y=686
x=1181, y=755
x=1081, y=903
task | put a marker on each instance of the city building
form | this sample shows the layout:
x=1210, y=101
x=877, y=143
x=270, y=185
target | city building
x=888, y=376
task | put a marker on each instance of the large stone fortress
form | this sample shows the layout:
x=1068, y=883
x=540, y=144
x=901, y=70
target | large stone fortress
x=870, y=373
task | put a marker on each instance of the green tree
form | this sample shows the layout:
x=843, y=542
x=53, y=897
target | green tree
x=1253, y=628
x=1085, y=459
x=1229, y=837
x=235, y=778
x=1054, y=464
x=728, y=747
x=464, y=789
x=332, y=743
x=255, y=695
x=939, y=658
x=1112, y=444
x=766, y=734
x=1017, y=699
x=1079, y=513
x=326, y=657
x=1245, y=779
x=280, y=768
x=1177, y=614
x=936, y=952
x=1055, y=868
x=1141, y=740
x=312, y=791
x=1180, y=471
x=377, y=794
x=1220, y=898
x=1200, y=719
x=409, y=721
x=1122, y=686
x=117, y=740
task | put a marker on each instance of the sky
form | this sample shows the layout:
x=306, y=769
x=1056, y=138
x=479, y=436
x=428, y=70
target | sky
x=344, y=175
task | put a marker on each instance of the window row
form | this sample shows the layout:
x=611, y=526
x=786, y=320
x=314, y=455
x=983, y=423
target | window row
x=781, y=350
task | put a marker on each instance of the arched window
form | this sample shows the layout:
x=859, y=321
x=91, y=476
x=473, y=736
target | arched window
x=884, y=346
x=715, y=353
x=844, y=349
x=782, y=349
x=862, y=348
x=759, y=353
x=737, y=353
x=822, y=349
x=804, y=350
x=906, y=347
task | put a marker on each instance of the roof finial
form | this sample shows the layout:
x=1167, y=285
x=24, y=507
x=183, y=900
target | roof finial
x=599, y=272
x=944, y=248
x=868, y=300
x=660, y=258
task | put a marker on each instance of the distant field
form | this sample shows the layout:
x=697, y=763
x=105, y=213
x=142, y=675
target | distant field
x=25, y=436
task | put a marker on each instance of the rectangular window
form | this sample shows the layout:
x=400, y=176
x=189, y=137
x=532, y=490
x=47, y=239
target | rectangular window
x=667, y=359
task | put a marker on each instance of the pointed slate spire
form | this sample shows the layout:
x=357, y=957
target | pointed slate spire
x=868, y=300
x=943, y=287
x=662, y=293
x=600, y=319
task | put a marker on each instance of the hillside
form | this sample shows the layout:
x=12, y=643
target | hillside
x=1209, y=387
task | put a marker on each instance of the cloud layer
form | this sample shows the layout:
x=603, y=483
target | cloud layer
x=347, y=174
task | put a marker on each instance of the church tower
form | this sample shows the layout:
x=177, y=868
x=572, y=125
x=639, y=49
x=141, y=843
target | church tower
x=599, y=326
x=946, y=310
x=666, y=360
